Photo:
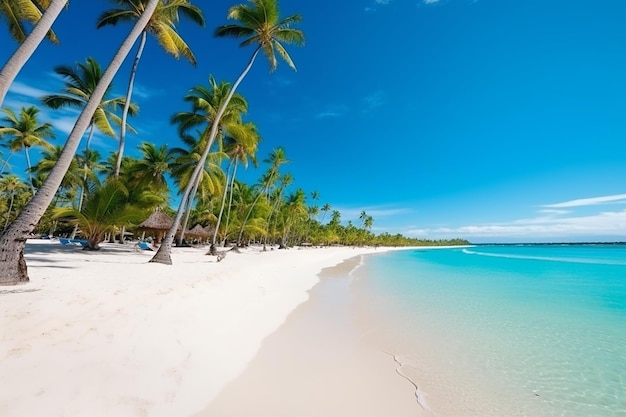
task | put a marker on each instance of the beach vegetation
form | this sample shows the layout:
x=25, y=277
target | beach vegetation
x=162, y=25
x=16, y=13
x=24, y=131
x=105, y=208
x=258, y=23
x=99, y=197
x=13, y=239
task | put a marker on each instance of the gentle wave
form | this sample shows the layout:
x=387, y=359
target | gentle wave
x=548, y=258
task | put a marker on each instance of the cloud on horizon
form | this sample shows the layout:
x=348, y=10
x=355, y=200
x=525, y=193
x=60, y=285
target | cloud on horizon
x=552, y=224
x=594, y=201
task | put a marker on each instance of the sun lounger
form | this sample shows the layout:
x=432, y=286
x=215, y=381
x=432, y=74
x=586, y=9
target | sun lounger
x=144, y=245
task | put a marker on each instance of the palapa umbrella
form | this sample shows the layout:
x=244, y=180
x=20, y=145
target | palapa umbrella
x=198, y=232
x=158, y=222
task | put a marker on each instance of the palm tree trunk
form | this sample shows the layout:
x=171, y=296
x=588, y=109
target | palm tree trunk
x=129, y=93
x=188, y=204
x=230, y=203
x=28, y=47
x=30, y=173
x=13, y=240
x=6, y=162
x=219, y=217
x=164, y=254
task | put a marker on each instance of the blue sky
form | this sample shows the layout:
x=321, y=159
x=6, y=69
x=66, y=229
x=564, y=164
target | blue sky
x=491, y=120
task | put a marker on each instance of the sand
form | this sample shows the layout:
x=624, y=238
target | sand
x=108, y=334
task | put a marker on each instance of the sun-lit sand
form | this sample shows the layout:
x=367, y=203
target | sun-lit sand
x=108, y=334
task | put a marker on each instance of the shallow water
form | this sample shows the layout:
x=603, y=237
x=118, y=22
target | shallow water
x=503, y=330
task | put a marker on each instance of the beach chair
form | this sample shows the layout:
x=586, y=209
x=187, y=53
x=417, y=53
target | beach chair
x=64, y=241
x=144, y=245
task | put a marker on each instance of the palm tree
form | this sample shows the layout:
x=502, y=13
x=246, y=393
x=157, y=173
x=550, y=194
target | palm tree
x=13, y=239
x=31, y=42
x=259, y=24
x=16, y=13
x=10, y=186
x=325, y=208
x=151, y=170
x=239, y=149
x=276, y=158
x=162, y=26
x=104, y=209
x=24, y=132
x=81, y=82
x=295, y=209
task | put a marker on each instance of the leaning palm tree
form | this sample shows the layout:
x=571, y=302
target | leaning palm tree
x=19, y=13
x=260, y=24
x=24, y=132
x=162, y=26
x=31, y=42
x=80, y=84
x=81, y=81
x=240, y=148
x=276, y=158
x=13, y=239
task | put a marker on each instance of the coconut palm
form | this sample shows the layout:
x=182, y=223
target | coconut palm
x=10, y=187
x=18, y=13
x=325, y=208
x=43, y=24
x=206, y=103
x=276, y=158
x=49, y=158
x=151, y=170
x=13, y=239
x=162, y=26
x=260, y=24
x=104, y=209
x=25, y=132
x=81, y=82
x=239, y=150
x=208, y=184
x=295, y=210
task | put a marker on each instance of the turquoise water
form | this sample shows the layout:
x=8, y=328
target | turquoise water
x=503, y=330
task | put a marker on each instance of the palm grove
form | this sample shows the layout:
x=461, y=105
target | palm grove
x=72, y=189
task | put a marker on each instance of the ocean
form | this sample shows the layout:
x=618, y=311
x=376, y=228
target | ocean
x=503, y=330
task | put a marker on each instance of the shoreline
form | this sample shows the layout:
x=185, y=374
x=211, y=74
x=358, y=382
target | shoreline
x=318, y=363
x=107, y=333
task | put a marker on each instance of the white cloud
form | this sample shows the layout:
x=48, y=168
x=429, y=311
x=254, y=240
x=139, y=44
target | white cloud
x=604, y=224
x=594, y=201
x=25, y=90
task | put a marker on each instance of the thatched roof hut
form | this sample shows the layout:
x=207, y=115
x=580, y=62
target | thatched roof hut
x=158, y=222
x=197, y=231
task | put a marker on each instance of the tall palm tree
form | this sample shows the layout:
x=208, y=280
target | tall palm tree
x=162, y=26
x=152, y=168
x=239, y=150
x=31, y=42
x=13, y=239
x=325, y=208
x=17, y=13
x=81, y=81
x=25, y=132
x=80, y=84
x=206, y=103
x=260, y=24
x=276, y=158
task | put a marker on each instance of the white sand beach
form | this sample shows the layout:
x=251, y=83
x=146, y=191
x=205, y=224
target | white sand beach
x=108, y=334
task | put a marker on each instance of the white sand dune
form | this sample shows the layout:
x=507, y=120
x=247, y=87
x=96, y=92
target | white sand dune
x=108, y=334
